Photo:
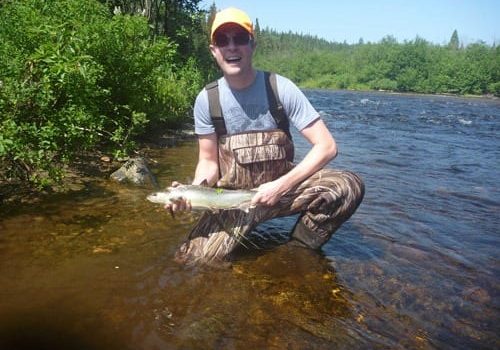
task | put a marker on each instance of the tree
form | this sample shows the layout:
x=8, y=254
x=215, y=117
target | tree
x=257, y=27
x=211, y=16
x=454, y=42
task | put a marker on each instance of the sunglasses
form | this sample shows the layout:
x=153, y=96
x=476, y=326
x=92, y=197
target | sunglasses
x=239, y=39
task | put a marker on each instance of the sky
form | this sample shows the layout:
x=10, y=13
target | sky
x=340, y=20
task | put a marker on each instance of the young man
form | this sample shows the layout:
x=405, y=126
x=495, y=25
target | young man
x=247, y=146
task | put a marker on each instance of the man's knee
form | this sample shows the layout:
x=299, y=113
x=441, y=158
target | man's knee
x=339, y=195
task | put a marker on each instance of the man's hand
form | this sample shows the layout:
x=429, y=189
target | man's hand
x=269, y=193
x=179, y=205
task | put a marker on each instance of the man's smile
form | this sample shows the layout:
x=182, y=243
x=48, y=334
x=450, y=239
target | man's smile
x=233, y=59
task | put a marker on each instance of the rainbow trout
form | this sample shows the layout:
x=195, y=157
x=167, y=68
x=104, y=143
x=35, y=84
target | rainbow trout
x=205, y=198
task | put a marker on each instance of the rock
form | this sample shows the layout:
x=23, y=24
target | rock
x=135, y=171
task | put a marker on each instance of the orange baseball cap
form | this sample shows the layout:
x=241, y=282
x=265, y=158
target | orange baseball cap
x=231, y=15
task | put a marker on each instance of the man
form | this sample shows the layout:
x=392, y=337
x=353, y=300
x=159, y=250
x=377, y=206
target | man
x=247, y=146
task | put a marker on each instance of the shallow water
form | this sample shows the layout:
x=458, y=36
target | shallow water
x=417, y=266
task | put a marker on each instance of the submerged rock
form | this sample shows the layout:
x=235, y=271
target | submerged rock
x=135, y=171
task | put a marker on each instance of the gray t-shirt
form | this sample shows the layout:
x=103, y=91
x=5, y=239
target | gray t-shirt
x=248, y=109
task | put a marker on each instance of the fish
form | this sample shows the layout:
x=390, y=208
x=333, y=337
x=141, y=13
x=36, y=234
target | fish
x=205, y=198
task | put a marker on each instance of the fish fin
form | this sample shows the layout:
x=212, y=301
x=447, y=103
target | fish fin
x=216, y=211
x=246, y=207
x=204, y=183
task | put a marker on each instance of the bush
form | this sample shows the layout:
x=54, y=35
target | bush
x=494, y=88
x=384, y=84
x=73, y=78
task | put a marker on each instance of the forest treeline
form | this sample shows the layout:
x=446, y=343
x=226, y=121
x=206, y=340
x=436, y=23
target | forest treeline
x=413, y=66
x=83, y=75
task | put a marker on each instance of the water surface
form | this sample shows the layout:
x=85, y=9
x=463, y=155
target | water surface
x=416, y=267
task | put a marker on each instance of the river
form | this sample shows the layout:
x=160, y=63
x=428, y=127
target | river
x=416, y=267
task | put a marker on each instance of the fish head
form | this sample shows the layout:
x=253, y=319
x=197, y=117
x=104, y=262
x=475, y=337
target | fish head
x=159, y=197
x=169, y=195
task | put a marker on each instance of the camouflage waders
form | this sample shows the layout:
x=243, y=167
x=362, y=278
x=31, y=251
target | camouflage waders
x=325, y=200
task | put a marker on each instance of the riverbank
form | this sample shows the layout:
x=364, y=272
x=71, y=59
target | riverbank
x=87, y=168
x=402, y=93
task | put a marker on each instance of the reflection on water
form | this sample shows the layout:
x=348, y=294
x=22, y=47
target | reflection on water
x=416, y=267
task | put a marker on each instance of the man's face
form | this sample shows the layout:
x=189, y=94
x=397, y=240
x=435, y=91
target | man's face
x=232, y=48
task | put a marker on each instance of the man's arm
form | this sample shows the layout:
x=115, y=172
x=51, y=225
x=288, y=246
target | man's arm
x=206, y=169
x=208, y=160
x=324, y=149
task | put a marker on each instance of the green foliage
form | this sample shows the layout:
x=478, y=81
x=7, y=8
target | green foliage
x=178, y=20
x=412, y=66
x=73, y=77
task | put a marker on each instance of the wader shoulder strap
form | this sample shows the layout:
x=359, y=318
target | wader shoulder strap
x=275, y=106
x=215, y=108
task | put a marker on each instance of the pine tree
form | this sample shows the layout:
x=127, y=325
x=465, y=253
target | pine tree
x=211, y=16
x=454, y=42
x=257, y=26
x=256, y=31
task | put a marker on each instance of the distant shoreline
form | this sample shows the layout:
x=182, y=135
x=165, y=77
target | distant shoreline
x=488, y=97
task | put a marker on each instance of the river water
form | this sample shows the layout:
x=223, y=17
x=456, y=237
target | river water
x=416, y=267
